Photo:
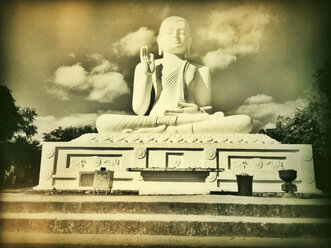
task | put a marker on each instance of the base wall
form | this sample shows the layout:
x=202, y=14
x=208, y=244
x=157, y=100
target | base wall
x=71, y=166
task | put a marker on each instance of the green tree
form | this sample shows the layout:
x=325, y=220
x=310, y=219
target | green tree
x=15, y=121
x=68, y=133
x=311, y=124
x=9, y=114
x=16, y=138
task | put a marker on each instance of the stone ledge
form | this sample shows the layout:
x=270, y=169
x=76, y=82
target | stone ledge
x=102, y=240
x=176, y=138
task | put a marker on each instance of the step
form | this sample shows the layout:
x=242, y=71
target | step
x=165, y=224
x=28, y=240
x=194, y=205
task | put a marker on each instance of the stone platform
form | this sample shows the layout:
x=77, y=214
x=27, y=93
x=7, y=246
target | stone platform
x=174, y=164
x=66, y=220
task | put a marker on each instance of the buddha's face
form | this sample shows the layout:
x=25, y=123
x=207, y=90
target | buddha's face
x=174, y=37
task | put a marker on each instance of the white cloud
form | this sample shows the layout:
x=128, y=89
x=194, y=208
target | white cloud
x=104, y=67
x=258, y=99
x=106, y=87
x=46, y=124
x=95, y=56
x=71, y=76
x=103, y=83
x=131, y=43
x=236, y=31
x=218, y=59
x=264, y=111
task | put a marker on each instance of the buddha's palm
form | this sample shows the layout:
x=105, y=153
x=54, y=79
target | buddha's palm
x=147, y=61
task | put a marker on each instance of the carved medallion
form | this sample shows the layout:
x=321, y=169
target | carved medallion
x=140, y=152
x=50, y=153
x=211, y=154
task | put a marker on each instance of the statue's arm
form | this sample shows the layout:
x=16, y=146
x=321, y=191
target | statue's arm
x=142, y=87
x=142, y=83
x=202, y=91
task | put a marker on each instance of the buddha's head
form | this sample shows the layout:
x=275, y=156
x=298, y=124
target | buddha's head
x=174, y=36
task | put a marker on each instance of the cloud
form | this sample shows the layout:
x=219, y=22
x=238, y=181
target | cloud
x=46, y=124
x=58, y=93
x=258, y=99
x=235, y=31
x=71, y=76
x=218, y=59
x=264, y=110
x=107, y=86
x=104, y=67
x=102, y=83
x=130, y=44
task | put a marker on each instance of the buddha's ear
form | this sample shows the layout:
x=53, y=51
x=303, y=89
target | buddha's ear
x=159, y=45
x=188, y=51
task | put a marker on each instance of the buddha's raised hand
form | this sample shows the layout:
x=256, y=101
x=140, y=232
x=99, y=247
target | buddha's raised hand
x=147, y=60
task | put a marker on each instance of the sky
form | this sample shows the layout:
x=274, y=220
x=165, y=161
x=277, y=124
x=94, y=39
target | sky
x=74, y=60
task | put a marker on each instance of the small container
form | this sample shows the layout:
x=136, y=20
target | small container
x=245, y=184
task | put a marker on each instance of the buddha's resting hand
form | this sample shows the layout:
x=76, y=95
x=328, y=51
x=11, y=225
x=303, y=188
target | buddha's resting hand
x=147, y=61
x=187, y=108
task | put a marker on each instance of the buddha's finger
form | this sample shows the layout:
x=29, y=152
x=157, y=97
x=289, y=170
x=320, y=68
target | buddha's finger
x=146, y=52
x=185, y=104
x=173, y=112
x=142, y=53
x=151, y=55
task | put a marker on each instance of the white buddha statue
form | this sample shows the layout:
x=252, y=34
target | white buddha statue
x=171, y=95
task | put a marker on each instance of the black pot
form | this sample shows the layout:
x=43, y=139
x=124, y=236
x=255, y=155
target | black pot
x=288, y=175
x=245, y=185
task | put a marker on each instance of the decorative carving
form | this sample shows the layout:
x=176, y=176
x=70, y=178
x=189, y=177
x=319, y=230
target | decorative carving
x=308, y=157
x=94, y=161
x=174, y=160
x=177, y=138
x=49, y=174
x=90, y=163
x=140, y=152
x=212, y=177
x=50, y=153
x=211, y=154
x=80, y=162
x=256, y=163
x=111, y=162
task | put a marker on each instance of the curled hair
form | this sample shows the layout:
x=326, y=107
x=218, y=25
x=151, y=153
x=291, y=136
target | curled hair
x=174, y=18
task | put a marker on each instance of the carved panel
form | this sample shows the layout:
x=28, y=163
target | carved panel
x=95, y=162
x=256, y=163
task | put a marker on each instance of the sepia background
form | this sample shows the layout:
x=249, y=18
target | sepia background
x=74, y=60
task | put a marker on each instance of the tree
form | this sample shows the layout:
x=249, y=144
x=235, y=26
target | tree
x=9, y=113
x=311, y=124
x=15, y=121
x=68, y=133
x=16, y=138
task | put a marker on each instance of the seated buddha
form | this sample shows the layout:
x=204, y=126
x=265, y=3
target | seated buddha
x=171, y=94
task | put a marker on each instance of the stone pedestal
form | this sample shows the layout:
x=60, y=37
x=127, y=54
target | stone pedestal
x=170, y=164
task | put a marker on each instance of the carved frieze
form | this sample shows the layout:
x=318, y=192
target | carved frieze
x=95, y=162
x=256, y=163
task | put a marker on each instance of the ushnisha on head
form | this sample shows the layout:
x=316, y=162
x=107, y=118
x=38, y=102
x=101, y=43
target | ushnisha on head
x=174, y=36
